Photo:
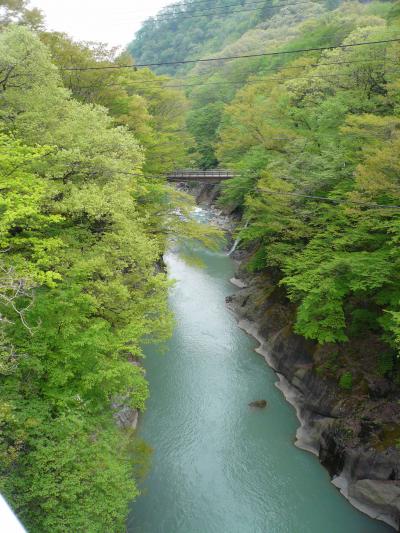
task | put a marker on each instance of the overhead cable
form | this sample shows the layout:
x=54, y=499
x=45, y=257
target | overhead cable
x=212, y=7
x=160, y=81
x=227, y=58
x=193, y=4
x=337, y=201
x=250, y=81
x=333, y=200
x=211, y=12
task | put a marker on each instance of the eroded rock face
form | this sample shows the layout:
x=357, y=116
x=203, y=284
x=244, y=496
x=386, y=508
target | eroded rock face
x=207, y=193
x=126, y=417
x=378, y=495
x=348, y=430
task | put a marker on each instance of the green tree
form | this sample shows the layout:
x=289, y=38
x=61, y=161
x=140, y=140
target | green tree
x=17, y=11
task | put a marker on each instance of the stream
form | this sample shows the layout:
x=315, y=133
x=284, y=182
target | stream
x=218, y=465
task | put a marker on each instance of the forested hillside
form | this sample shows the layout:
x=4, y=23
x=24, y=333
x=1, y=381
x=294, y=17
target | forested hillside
x=82, y=287
x=309, y=121
x=314, y=138
x=192, y=29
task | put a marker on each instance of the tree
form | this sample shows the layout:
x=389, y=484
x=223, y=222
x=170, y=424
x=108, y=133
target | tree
x=17, y=11
x=84, y=230
x=74, y=227
x=328, y=134
x=135, y=98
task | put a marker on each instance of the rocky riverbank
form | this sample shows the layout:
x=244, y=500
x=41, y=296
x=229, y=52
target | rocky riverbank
x=354, y=430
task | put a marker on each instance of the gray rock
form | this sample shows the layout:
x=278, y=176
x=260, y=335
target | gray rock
x=384, y=496
x=341, y=428
x=126, y=417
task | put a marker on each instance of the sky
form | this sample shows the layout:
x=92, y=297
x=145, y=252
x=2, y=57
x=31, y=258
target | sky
x=110, y=21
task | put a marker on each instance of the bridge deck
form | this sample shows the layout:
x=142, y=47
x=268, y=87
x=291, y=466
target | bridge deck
x=200, y=175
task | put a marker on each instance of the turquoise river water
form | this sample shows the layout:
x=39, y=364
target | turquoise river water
x=219, y=466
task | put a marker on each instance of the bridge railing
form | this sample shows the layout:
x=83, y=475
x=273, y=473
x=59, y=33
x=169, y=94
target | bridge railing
x=193, y=174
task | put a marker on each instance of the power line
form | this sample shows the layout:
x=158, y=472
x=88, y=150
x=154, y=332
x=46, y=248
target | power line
x=212, y=12
x=178, y=4
x=198, y=145
x=172, y=14
x=227, y=58
x=164, y=11
x=279, y=193
x=295, y=137
x=158, y=82
x=251, y=81
x=314, y=65
x=175, y=17
x=269, y=191
x=339, y=201
x=194, y=4
x=255, y=81
x=333, y=200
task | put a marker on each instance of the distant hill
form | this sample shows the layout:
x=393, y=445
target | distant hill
x=194, y=29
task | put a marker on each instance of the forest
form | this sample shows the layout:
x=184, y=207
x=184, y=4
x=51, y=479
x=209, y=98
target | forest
x=314, y=140
x=82, y=284
x=310, y=124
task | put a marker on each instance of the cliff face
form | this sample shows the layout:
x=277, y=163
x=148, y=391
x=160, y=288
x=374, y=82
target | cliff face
x=351, y=429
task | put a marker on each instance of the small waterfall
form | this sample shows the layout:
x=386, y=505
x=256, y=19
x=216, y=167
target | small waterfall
x=235, y=245
x=237, y=241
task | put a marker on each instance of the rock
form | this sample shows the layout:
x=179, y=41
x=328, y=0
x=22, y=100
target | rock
x=355, y=434
x=124, y=415
x=127, y=418
x=260, y=404
x=381, y=496
x=379, y=388
x=208, y=193
x=367, y=429
x=238, y=283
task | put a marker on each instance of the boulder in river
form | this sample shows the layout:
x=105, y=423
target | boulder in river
x=261, y=404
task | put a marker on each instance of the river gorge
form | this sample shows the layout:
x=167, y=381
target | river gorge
x=219, y=465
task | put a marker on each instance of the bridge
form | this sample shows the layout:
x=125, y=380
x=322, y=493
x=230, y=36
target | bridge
x=205, y=176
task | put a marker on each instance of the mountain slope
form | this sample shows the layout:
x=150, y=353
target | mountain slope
x=195, y=29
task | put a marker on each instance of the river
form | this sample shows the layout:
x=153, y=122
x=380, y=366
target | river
x=219, y=466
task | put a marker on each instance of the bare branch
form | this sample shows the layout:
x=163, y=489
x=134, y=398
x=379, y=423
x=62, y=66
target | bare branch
x=13, y=290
